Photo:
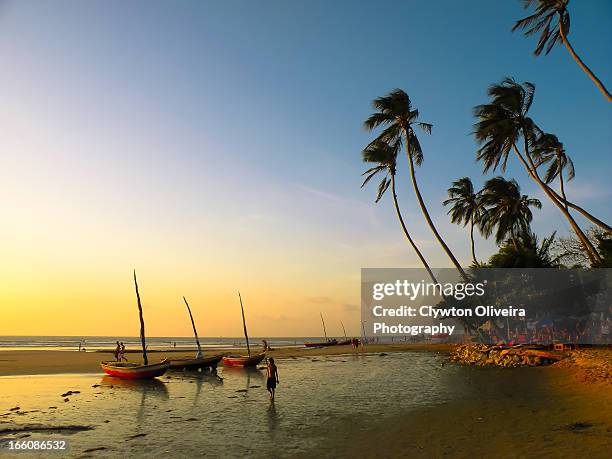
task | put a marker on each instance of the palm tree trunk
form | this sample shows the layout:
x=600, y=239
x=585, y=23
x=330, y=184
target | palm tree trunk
x=582, y=65
x=590, y=250
x=426, y=213
x=581, y=211
x=401, y=220
x=472, y=240
x=561, y=181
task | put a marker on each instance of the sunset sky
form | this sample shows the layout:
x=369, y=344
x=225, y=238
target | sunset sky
x=215, y=146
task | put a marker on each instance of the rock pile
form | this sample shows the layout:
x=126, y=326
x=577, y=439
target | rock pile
x=488, y=355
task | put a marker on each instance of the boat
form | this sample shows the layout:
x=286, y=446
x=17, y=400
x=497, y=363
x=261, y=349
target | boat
x=344, y=342
x=243, y=360
x=199, y=362
x=329, y=342
x=131, y=370
x=195, y=363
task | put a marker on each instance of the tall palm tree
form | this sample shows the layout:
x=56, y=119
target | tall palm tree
x=501, y=125
x=465, y=208
x=385, y=157
x=552, y=20
x=394, y=112
x=506, y=212
x=548, y=149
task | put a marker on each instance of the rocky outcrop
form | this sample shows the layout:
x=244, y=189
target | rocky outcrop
x=488, y=355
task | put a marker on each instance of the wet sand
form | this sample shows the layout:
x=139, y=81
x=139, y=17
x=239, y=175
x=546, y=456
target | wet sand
x=535, y=412
x=14, y=363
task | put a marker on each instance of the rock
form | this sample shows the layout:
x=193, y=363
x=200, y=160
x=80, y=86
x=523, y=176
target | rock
x=66, y=399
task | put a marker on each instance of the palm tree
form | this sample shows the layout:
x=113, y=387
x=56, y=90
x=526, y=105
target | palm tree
x=465, y=208
x=394, y=112
x=553, y=13
x=501, y=125
x=529, y=253
x=506, y=211
x=385, y=157
x=548, y=149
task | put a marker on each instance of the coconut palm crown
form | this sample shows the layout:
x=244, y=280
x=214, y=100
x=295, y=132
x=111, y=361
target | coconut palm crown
x=465, y=208
x=506, y=211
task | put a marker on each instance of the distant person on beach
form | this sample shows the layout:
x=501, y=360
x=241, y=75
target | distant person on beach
x=272, y=380
x=117, y=351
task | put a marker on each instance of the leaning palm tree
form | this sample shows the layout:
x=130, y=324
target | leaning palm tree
x=385, y=157
x=552, y=20
x=547, y=149
x=394, y=112
x=465, y=208
x=501, y=125
x=506, y=212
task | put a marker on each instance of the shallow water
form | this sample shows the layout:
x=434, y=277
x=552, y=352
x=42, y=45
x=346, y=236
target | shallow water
x=195, y=414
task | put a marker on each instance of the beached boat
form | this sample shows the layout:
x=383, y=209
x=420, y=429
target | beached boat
x=130, y=370
x=243, y=360
x=329, y=342
x=199, y=361
x=195, y=363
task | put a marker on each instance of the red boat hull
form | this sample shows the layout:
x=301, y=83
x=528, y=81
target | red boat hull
x=134, y=371
x=242, y=361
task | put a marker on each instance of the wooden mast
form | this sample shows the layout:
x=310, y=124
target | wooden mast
x=246, y=335
x=142, y=326
x=343, y=329
x=195, y=332
x=324, y=332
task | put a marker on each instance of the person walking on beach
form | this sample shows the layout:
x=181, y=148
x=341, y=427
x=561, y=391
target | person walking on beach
x=122, y=352
x=117, y=351
x=272, y=380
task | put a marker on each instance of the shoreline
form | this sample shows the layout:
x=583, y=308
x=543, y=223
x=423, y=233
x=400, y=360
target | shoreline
x=47, y=362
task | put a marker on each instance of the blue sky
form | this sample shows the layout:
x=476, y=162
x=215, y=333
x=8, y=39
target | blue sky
x=229, y=133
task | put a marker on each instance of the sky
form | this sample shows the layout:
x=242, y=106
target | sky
x=216, y=147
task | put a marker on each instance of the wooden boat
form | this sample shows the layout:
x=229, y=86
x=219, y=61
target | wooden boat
x=199, y=361
x=130, y=370
x=195, y=363
x=329, y=342
x=242, y=360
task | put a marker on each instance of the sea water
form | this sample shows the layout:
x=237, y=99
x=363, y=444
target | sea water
x=193, y=414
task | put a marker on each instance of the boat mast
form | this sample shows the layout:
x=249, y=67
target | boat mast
x=324, y=332
x=244, y=325
x=343, y=329
x=142, y=327
x=195, y=332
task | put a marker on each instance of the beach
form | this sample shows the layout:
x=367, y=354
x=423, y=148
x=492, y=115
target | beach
x=40, y=362
x=394, y=400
